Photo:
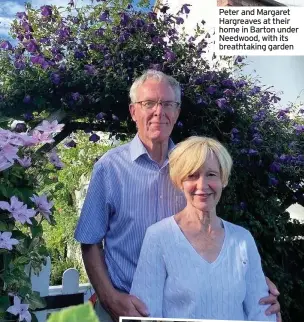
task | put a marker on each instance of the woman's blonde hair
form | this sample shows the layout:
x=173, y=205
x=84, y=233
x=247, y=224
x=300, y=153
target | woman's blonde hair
x=190, y=155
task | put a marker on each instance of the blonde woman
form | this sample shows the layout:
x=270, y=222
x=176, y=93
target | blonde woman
x=195, y=264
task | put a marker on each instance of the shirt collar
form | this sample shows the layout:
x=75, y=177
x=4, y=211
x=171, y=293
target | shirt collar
x=137, y=148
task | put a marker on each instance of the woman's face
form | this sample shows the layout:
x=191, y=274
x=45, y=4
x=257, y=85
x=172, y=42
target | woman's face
x=203, y=188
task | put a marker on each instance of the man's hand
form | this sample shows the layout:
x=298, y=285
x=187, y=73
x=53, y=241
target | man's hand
x=122, y=304
x=272, y=299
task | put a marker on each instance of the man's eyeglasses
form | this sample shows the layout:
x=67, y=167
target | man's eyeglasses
x=167, y=105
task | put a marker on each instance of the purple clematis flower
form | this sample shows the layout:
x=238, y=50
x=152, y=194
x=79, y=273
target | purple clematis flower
x=90, y=69
x=19, y=64
x=50, y=127
x=101, y=116
x=75, y=96
x=221, y=103
x=20, y=309
x=28, y=116
x=27, y=27
x=299, y=129
x=273, y=181
x=241, y=83
x=25, y=162
x=275, y=167
x=31, y=46
x=42, y=137
x=228, y=92
x=140, y=23
x=55, y=78
x=124, y=19
x=185, y=8
x=255, y=90
x=104, y=16
x=179, y=20
x=71, y=144
x=5, y=164
x=152, y=15
x=170, y=56
x=100, y=32
x=212, y=89
x=6, y=241
x=252, y=152
x=79, y=54
x=21, y=15
x=9, y=152
x=18, y=210
x=228, y=83
x=94, y=138
x=6, y=45
x=27, y=99
x=46, y=11
x=238, y=59
x=55, y=160
x=43, y=206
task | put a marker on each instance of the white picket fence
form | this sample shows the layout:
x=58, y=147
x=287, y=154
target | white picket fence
x=70, y=285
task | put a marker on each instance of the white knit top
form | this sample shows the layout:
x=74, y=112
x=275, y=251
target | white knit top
x=174, y=281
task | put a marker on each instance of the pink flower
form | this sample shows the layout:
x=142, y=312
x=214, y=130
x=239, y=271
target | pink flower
x=8, y=137
x=20, y=309
x=6, y=241
x=43, y=206
x=54, y=159
x=24, y=215
x=14, y=206
x=25, y=162
x=18, y=210
x=28, y=140
x=48, y=127
x=42, y=137
x=4, y=163
x=9, y=152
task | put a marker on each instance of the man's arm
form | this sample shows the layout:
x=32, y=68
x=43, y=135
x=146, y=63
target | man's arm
x=255, y=284
x=272, y=299
x=115, y=302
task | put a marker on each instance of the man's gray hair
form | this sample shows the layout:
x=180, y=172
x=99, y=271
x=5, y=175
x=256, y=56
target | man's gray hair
x=158, y=76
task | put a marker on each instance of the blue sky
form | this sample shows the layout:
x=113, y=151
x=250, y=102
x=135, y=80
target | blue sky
x=9, y=8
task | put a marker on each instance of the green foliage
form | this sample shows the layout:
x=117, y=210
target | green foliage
x=62, y=185
x=83, y=313
x=85, y=63
x=28, y=253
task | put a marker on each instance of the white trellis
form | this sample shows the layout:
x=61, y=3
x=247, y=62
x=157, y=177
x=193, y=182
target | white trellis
x=70, y=286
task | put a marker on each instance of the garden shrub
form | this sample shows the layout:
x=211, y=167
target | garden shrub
x=86, y=59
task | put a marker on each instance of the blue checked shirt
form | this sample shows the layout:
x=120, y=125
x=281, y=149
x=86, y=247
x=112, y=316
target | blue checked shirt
x=128, y=192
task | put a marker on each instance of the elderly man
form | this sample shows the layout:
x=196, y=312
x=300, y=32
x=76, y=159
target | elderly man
x=130, y=190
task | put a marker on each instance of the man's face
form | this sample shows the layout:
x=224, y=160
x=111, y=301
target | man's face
x=154, y=124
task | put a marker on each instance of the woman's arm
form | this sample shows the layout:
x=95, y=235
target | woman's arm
x=149, y=279
x=256, y=286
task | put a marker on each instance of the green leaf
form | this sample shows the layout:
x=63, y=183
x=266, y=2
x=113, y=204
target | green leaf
x=35, y=301
x=22, y=260
x=36, y=231
x=3, y=226
x=83, y=313
x=4, y=303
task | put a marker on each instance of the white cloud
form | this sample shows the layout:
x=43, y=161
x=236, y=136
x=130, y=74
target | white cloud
x=10, y=8
x=5, y=23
